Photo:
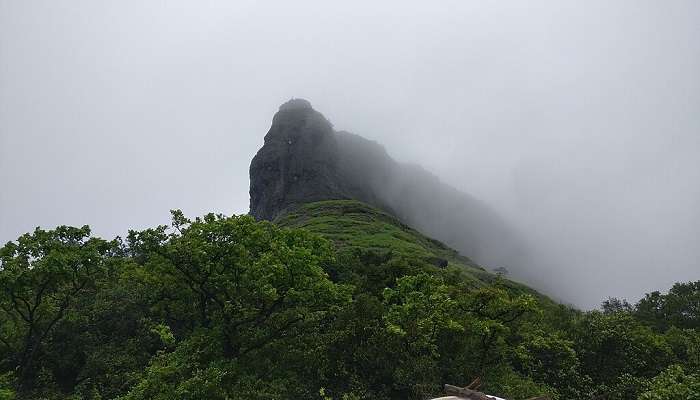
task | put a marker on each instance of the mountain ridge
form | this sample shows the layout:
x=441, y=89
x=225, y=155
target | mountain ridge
x=305, y=160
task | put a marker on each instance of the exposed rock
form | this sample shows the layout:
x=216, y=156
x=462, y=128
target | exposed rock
x=501, y=271
x=297, y=163
x=439, y=262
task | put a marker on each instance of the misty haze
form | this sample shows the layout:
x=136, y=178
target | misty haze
x=553, y=144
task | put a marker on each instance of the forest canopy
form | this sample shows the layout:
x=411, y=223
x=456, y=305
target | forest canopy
x=223, y=307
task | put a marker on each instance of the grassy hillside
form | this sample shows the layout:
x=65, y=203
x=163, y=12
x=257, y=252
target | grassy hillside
x=352, y=224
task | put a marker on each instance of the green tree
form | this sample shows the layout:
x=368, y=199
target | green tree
x=259, y=297
x=680, y=307
x=617, y=352
x=418, y=309
x=550, y=359
x=673, y=384
x=42, y=276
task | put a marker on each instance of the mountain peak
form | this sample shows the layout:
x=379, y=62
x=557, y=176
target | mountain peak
x=305, y=160
x=296, y=104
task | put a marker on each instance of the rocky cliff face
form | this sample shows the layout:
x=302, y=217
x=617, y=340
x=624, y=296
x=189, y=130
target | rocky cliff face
x=297, y=163
x=304, y=160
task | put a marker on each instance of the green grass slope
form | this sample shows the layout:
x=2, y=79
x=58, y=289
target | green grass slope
x=352, y=224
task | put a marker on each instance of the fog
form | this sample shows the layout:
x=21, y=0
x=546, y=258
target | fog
x=577, y=122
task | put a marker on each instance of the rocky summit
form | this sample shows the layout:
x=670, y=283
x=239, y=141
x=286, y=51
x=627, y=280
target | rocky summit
x=304, y=160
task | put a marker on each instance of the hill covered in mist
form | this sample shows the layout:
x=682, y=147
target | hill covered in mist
x=304, y=160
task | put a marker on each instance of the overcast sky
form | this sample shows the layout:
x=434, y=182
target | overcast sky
x=579, y=121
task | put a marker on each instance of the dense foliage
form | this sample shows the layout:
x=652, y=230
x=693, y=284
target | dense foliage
x=230, y=308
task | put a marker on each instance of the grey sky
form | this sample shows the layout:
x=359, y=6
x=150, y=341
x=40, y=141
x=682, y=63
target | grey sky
x=578, y=121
